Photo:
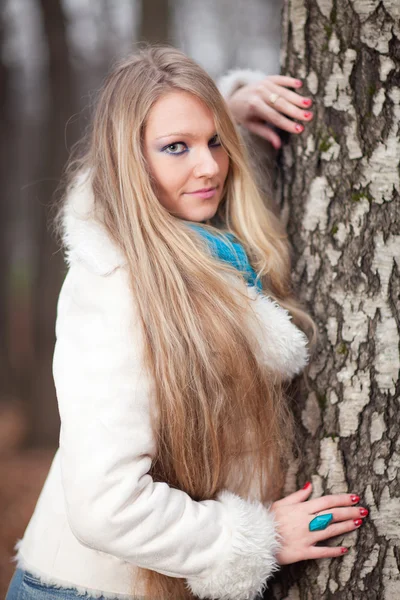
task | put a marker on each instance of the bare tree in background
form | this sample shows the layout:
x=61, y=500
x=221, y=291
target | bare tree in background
x=5, y=138
x=342, y=184
x=12, y=418
x=155, y=22
x=49, y=271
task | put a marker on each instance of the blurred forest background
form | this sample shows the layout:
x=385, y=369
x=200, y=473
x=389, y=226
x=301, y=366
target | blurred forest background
x=54, y=56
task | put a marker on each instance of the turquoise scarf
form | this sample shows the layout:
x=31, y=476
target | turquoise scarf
x=230, y=250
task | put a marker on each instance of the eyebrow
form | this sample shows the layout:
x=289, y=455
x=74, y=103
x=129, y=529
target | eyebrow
x=183, y=134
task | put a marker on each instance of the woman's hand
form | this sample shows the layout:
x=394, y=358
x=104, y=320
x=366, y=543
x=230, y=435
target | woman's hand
x=259, y=105
x=293, y=516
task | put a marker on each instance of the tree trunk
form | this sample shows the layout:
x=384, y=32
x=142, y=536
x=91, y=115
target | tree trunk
x=341, y=181
x=50, y=269
x=5, y=143
x=155, y=21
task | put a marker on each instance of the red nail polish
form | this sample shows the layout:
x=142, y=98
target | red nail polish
x=355, y=498
x=299, y=128
x=299, y=83
x=357, y=522
x=344, y=550
x=306, y=485
x=307, y=102
x=307, y=115
x=364, y=512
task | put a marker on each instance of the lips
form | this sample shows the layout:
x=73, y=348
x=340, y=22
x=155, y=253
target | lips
x=204, y=193
x=203, y=190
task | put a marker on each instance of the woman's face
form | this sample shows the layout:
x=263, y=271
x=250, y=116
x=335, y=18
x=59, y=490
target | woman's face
x=185, y=158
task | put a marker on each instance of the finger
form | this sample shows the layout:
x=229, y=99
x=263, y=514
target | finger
x=331, y=501
x=342, y=514
x=286, y=103
x=264, y=112
x=336, y=529
x=326, y=552
x=296, y=99
x=286, y=81
x=296, y=497
x=265, y=132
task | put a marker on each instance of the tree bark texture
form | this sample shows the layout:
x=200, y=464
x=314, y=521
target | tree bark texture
x=341, y=182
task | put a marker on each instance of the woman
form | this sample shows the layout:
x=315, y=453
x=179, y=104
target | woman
x=170, y=364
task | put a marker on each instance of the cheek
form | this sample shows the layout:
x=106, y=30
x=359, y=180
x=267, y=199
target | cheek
x=172, y=179
x=164, y=177
x=169, y=179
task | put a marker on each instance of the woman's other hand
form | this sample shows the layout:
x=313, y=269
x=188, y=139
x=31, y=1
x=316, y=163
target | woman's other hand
x=293, y=516
x=258, y=106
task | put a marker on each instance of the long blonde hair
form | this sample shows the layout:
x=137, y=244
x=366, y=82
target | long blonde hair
x=217, y=405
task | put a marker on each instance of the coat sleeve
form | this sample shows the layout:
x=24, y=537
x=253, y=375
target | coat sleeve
x=234, y=79
x=225, y=548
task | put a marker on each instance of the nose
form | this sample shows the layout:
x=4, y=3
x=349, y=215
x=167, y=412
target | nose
x=206, y=165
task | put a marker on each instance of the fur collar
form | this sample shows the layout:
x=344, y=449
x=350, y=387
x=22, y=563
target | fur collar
x=85, y=237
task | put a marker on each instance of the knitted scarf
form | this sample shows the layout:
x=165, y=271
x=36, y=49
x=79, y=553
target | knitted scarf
x=228, y=249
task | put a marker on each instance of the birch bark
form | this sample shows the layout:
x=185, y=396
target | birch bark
x=341, y=183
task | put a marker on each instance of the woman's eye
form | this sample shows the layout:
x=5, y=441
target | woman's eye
x=177, y=148
x=215, y=141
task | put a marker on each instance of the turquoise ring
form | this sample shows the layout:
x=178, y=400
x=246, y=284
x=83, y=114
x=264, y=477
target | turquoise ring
x=321, y=522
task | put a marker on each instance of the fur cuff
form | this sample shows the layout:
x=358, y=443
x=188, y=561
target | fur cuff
x=236, y=78
x=249, y=561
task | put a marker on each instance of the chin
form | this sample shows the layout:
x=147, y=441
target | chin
x=202, y=214
x=200, y=219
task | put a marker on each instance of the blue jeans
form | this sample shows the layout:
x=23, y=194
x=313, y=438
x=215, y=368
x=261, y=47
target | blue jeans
x=25, y=586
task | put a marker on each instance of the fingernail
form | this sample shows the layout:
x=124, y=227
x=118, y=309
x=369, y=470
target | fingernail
x=355, y=498
x=344, y=550
x=306, y=485
x=308, y=115
x=299, y=128
x=357, y=522
x=306, y=102
x=299, y=83
x=364, y=512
